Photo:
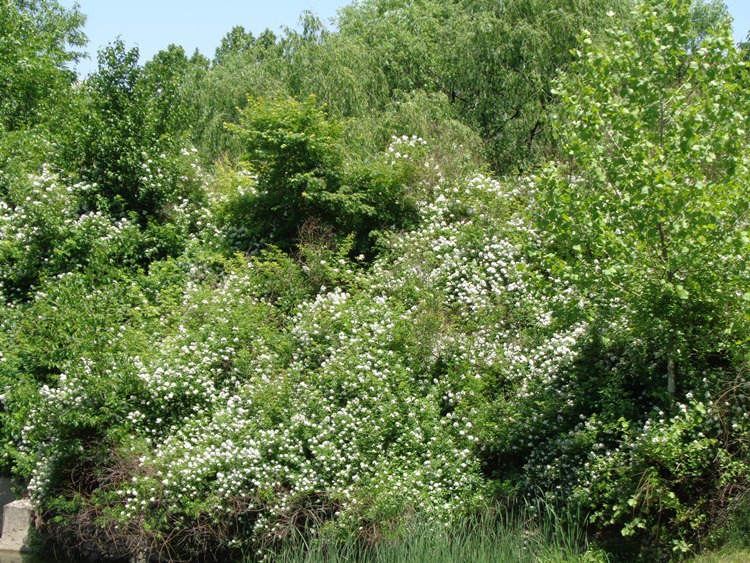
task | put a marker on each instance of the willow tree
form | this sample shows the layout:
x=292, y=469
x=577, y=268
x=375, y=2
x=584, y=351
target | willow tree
x=495, y=61
x=650, y=208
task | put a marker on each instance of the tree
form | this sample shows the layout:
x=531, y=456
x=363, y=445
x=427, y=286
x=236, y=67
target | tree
x=297, y=154
x=499, y=62
x=239, y=42
x=494, y=60
x=341, y=71
x=113, y=133
x=236, y=41
x=650, y=208
x=217, y=90
x=744, y=47
x=36, y=37
x=129, y=142
x=161, y=82
x=706, y=15
x=37, y=98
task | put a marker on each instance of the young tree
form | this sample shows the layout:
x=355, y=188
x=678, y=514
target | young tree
x=36, y=37
x=297, y=154
x=650, y=209
x=129, y=142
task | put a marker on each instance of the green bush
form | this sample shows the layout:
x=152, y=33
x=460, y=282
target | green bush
x=302, y=175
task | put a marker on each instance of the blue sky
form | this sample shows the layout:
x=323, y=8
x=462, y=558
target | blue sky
x=153, y=24
x=740, y=10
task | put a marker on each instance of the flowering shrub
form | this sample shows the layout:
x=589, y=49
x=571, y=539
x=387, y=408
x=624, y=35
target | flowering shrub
x=237, y=399
x=350, y=335
x=44, y=233
x=421, y=346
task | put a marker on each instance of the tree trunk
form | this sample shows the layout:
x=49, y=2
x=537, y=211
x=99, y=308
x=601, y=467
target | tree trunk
x=670, y=377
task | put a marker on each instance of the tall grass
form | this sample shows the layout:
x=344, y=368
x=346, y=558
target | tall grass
x=538, y=532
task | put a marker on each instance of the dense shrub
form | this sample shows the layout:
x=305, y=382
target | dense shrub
x=300, y=173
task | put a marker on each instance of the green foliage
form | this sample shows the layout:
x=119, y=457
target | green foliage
x=502, y=536
x=706, y=16
x=649, y=208
x=127, y=144
x=35, y=38
x=161, y=81
x=62, y=371
x=499, y=65
x=455, y=148
x=38, y=94
x=404, y=34
x=495, y=61
x=340, y=71
x=217, y=93
x=298, y=155
x=343, y=332
x=744, y=48
x=655, y=483
x=241, y=42
x=43, y=234
x=46, y=231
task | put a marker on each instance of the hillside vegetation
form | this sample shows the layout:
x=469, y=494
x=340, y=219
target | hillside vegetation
x=455, y=263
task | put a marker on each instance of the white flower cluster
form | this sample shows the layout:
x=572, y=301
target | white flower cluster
x=404, y=147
